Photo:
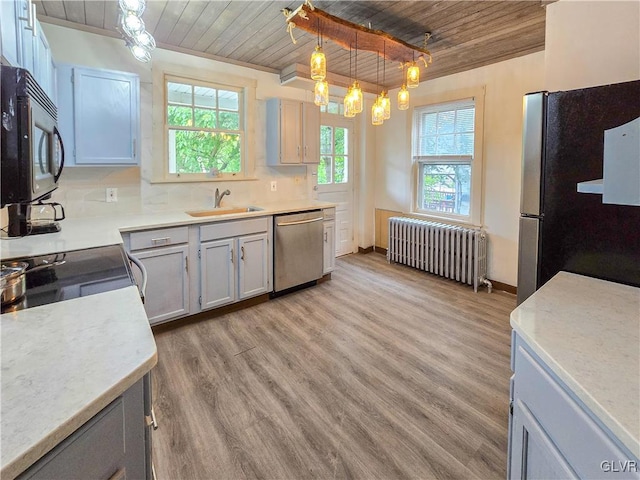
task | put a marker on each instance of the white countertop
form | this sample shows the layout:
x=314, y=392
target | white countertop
x=90, y=232
x=61, y=364
x=588, y=332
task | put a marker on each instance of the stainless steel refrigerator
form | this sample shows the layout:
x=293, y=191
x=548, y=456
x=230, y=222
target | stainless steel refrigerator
x=580, y=201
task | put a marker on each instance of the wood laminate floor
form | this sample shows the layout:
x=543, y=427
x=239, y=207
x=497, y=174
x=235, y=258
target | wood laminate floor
x=383, y=372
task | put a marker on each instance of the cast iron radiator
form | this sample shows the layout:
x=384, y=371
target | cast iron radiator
x=451, y=251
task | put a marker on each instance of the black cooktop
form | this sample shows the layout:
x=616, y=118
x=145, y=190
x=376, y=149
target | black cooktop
x=77, y=273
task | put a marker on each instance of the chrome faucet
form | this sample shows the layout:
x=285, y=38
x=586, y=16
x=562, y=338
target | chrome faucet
x=218, y=198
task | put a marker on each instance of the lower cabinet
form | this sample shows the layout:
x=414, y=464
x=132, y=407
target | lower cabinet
x=164, y=254
x=114, y=444
x=236, y=268
x=552, y=434
x=329, y=245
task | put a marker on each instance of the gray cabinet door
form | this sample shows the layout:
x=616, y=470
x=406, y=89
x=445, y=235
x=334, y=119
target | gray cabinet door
x=217, y=273
x=106, y=117
x=9, y=31
x=167, y=294
x=533, y=454
x=253, y=278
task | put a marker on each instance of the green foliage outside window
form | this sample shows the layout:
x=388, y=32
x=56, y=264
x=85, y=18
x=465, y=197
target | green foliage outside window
x=194, y=146
x=333, y=167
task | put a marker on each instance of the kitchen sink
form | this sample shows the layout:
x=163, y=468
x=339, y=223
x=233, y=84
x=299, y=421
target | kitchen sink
x=223, y=211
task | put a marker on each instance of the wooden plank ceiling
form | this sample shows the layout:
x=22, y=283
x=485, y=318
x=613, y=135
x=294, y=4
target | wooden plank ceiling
x=465, y=34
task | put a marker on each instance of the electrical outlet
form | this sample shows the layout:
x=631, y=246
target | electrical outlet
x=112, y=195
x=274, y=186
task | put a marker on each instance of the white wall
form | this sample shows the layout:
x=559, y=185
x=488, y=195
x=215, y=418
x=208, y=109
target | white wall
x=505, y=83
x=82, y=188
x=591, y=43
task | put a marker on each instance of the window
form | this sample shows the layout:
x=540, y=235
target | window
x=334, y=155
x=204, y=128
x=444, y=151
x=335, y=107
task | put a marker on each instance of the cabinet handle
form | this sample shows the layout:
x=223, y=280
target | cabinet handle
x=160, y=241
x=232, y=255
x=151, y=420
x=30, y=16
x=34, y=24
x=305, y=151
x=186, y=264
x=242, y=253
x=298, y=150
x=325, y=237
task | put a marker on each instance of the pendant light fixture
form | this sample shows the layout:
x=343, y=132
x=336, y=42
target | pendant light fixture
x=321, y=93
x=385, y=103
x=318, y=60
x=413, y=75
x=403, y=98
x=356, y=91
x=349, y=111
x=377, y=109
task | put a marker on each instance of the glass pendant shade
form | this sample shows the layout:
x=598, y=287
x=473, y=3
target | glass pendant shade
x=321, y=93
x=132, y=24
x=140, y=53
x=377, y=113
x=356, y=94
x=145, y=40
x=318, y=64
x=413, y=76
x=403, y=98
x=348, y=105
x=133, y=6
x=386, y=105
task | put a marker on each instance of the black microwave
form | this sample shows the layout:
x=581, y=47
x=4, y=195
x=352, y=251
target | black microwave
x=31, y=149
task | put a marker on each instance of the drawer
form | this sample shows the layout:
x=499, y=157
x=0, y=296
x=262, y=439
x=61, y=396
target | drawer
x=234, y=228
x=329, y=214
x=582, y=441
x=158, y=238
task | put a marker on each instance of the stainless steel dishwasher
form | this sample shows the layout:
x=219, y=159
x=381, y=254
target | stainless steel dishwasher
x=297, y=251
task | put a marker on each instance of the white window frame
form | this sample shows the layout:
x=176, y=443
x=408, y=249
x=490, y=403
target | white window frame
x=451, y=99
x=162, y=73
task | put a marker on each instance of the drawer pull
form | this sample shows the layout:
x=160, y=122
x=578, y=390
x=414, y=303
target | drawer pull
x=160, y=241
x=242, y=253
x=151, y=420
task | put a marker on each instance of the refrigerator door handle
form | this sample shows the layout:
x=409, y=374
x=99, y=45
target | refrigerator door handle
x=528, y=253
x=533, y=130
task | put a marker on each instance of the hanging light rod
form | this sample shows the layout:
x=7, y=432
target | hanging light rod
x=310, y=19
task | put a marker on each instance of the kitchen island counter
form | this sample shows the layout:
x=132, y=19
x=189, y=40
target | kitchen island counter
x=64, y=362
x=587, y=331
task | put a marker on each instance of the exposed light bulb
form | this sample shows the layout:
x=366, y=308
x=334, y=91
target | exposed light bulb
x=348, y=104
x=403, y=98
x=386, y=105
x=318, y=64
x=377, y=113
x=356, y=94
x=132, y=24
x=140, y=53
x=321, y=93
x=413, y=76
x=133, y=6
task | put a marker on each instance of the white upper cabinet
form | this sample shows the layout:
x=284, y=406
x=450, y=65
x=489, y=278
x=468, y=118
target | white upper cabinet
x=293, y=132
x=24, y=44
x=9, y=29
x=99, y=115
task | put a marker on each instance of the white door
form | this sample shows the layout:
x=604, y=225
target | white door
x=335, y=176
x=252, y=267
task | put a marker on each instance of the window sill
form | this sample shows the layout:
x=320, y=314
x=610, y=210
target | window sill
x=444, y=219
